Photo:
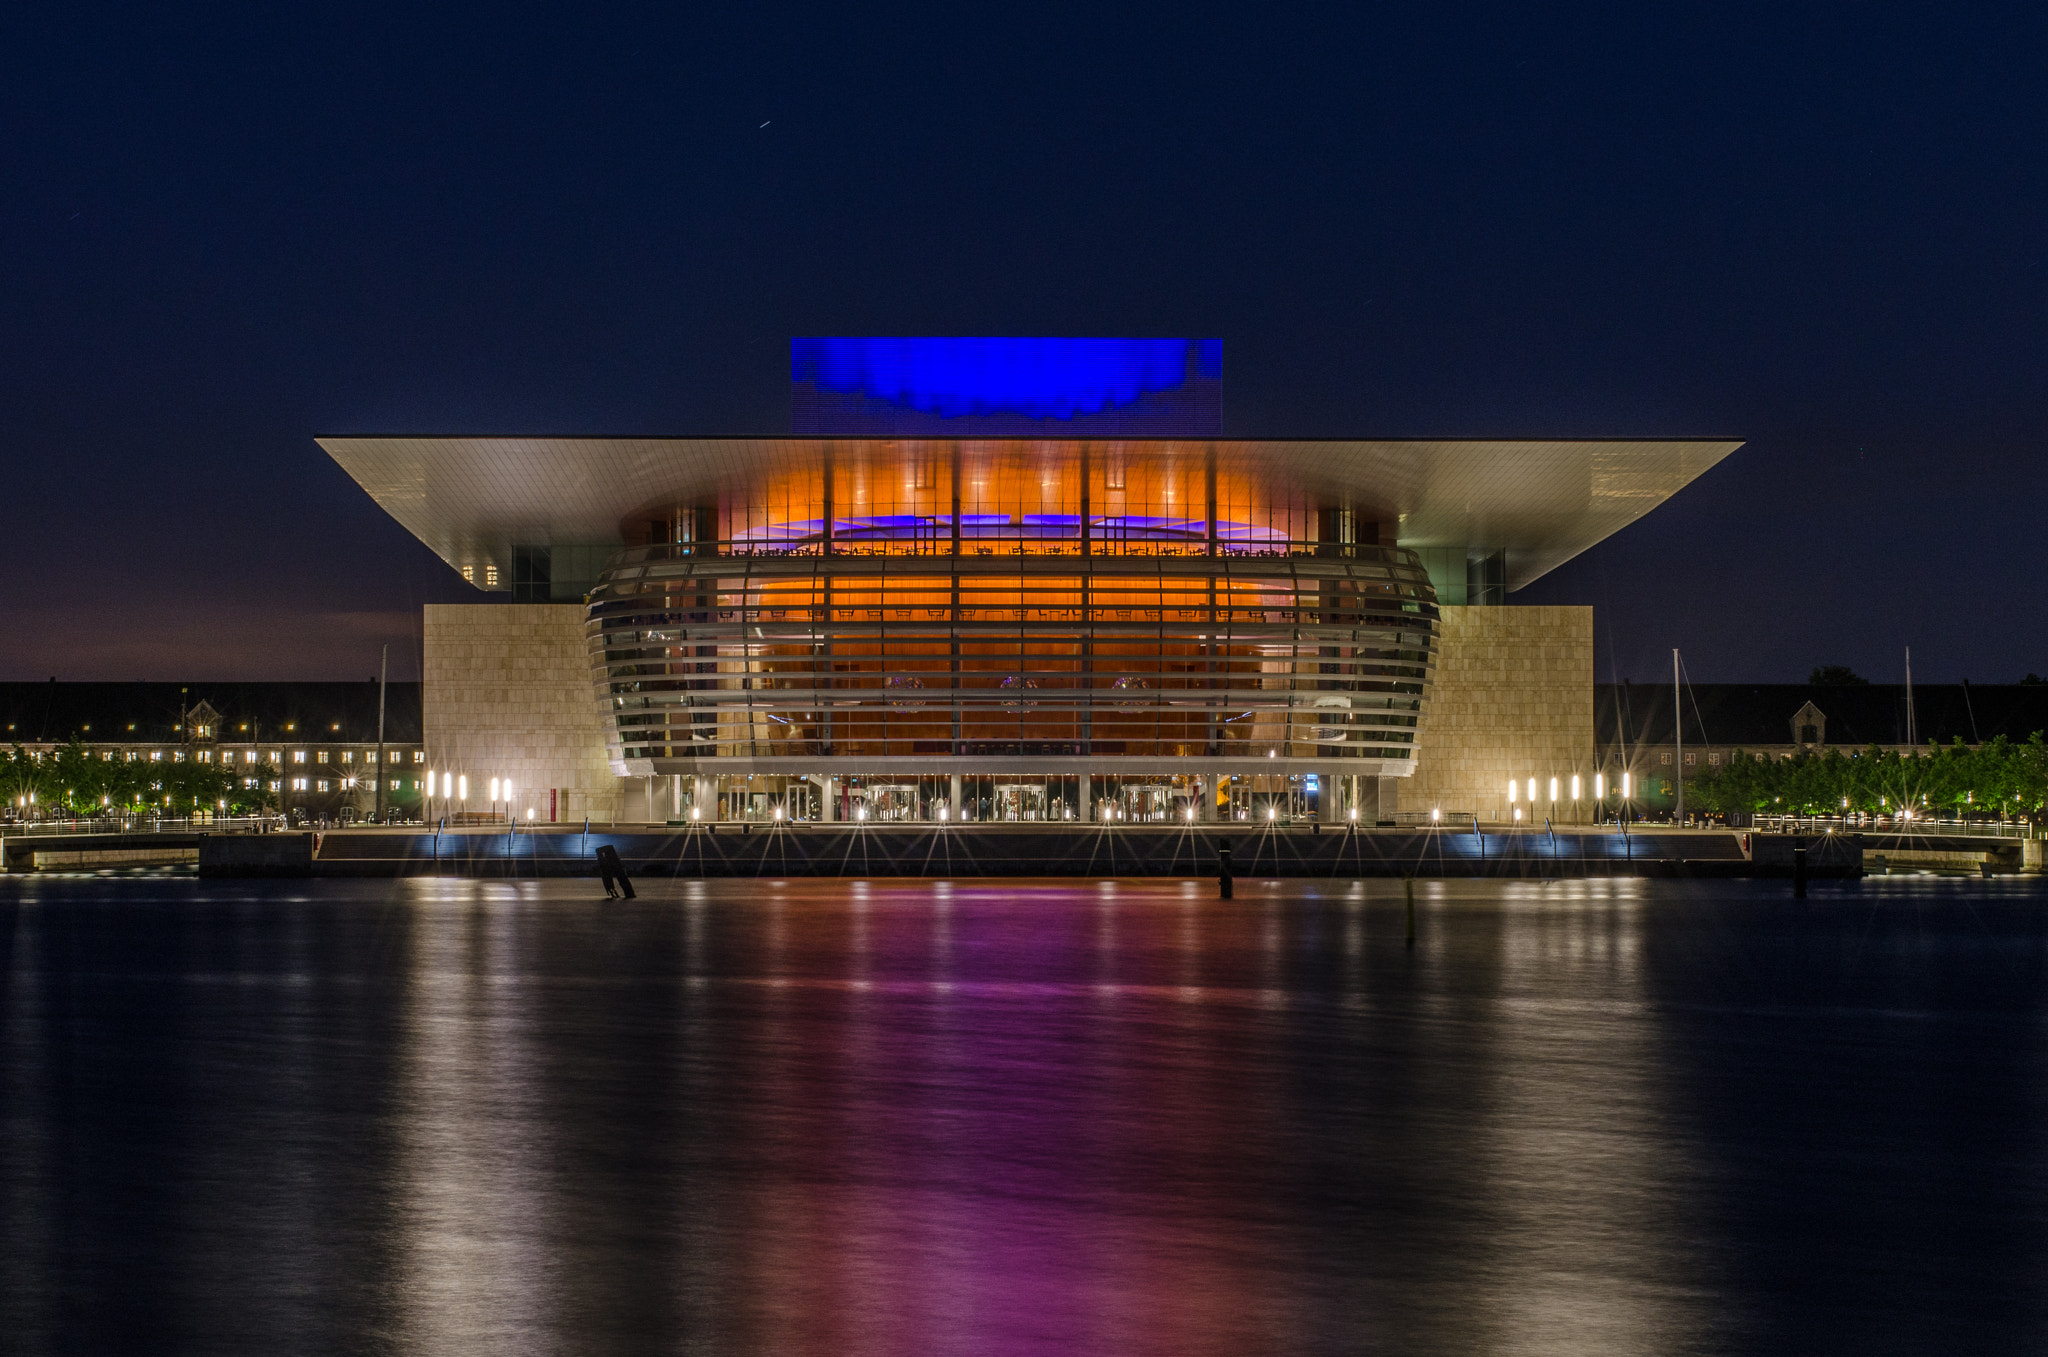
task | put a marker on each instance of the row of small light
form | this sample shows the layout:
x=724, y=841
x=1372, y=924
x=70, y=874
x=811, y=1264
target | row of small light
x=455, y=787
x=1599, y=791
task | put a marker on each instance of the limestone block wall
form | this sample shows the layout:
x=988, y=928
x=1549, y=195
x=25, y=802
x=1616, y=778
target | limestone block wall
x=507, y=693
x=1513, y=697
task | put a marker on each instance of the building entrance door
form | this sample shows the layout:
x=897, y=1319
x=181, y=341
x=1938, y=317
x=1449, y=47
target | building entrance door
x=1020, y=801
x=891, y=800
x=1147, y=804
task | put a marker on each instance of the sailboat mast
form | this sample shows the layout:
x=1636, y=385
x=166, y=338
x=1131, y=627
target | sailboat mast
x=1678, y=732
x=1912, y=734
x=383, y=674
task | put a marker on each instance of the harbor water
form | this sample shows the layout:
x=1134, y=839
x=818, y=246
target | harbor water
x=1607, y=1115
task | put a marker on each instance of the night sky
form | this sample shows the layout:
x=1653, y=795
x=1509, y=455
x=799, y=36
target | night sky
x=1820, y=228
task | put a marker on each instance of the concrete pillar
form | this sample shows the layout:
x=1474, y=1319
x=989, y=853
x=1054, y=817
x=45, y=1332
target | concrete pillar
x=1378, y=799
x=955, y=793
x=1330, y=808
x=831, y=785
x=1087, y=785
x=705, y=798
x=675, y=797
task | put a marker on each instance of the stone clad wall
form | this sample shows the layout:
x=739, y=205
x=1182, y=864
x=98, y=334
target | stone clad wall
x=507, y=693
x=1513, y=697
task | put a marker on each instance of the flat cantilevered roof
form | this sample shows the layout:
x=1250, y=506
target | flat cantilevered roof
x=1542, y=501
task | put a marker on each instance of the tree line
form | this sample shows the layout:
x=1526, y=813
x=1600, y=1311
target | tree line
x=1998, y=777
x=77, y=781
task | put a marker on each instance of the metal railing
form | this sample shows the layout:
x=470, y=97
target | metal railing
x=170, y=824
x=133, y=824
x=1894, y=824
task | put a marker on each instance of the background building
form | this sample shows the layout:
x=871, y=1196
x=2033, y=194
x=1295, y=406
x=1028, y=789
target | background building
x=1786, y=720
x=315, y=744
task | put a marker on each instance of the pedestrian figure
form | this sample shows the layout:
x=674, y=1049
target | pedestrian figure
x=613, y=871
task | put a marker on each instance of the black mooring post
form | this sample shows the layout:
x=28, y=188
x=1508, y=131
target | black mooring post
x=1798, y=869
x=613, y=873
x=1223, y=881
x=1409, y=882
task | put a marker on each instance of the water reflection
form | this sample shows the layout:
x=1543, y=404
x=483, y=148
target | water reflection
x=1119, y=1117
x=473, y=1145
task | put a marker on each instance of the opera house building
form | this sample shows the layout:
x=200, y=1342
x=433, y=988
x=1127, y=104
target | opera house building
x=1009, y=587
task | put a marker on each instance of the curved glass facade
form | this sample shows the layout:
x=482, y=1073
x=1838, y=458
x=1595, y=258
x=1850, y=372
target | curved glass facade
x=1018, y=611
x=892, y=660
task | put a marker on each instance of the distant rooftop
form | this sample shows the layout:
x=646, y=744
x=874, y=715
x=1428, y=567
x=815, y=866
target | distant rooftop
x=1756, y=714
x=148, y=713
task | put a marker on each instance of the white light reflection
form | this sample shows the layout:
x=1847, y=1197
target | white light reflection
x=1574, y=1155
x=476, y=1236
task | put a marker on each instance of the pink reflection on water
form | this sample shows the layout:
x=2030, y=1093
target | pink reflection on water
x=967, y=1154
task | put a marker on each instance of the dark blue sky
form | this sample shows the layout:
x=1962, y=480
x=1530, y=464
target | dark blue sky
x=1820, y=228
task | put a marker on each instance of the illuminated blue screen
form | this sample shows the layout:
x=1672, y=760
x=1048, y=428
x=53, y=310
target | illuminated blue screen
x=999, y=387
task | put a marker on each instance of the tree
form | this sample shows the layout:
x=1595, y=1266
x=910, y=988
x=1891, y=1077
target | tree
x=1837, y=676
